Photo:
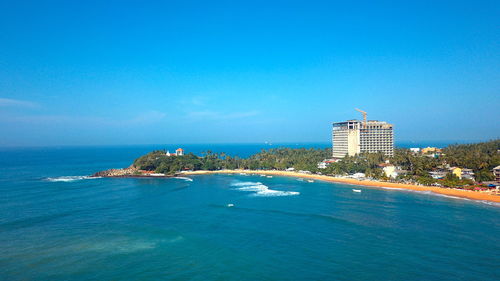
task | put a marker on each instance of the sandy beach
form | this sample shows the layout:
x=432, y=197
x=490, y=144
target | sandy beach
x=474, y=195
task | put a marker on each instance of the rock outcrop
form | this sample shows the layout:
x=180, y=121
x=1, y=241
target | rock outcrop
x=130, y=171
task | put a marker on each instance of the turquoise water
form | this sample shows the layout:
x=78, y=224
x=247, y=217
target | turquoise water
x=57, y=225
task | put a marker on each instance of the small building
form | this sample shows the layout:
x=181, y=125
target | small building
x=496, y=172
x=415, y=150
x=179, y=152
x=390, y=171
x=438, y=174
x=290, y=169
x=431, y=149
x=468, y=174
x=358, y=176
x=325, y=163
x=322, y=165
x=432, y=155
x=456, y=171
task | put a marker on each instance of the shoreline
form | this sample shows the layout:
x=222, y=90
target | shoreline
x=473, y=195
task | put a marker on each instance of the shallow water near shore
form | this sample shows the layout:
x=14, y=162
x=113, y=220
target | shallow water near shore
x=56, y=224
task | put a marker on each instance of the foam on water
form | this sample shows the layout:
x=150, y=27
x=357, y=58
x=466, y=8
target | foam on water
x=70, y=178
x=123, y=245
x=496, y=204
x=115, y=246
x=261, y=190
x=443, y=195
x=184, y=178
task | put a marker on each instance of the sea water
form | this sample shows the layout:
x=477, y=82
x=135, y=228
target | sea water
x=58, y=224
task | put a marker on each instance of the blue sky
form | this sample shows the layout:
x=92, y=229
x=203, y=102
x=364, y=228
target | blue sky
x=137, y=72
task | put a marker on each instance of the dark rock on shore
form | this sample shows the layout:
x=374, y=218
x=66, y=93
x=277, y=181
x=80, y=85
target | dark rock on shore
x=130, y=171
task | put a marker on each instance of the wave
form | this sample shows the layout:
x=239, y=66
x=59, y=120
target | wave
x=261, y=190
x=70, y=178
x=184, y=178
x=496, y=204
x=245, y=183
x=393, y=188
x=428, y=192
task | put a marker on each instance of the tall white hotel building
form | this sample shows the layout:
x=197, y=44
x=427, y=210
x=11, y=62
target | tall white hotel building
x=353, y=136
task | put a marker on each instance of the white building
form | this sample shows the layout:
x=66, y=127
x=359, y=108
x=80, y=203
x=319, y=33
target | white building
x=352, y=137
x=390, y=171
x=468, y=174
x=415, y=150
x=496, y=172
x=439, y=174
x=322, y=165
x=358, y=176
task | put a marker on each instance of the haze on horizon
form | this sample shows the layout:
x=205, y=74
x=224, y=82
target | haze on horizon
x=129, y=72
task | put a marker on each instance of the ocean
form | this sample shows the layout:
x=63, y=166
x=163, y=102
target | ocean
x=57, y=224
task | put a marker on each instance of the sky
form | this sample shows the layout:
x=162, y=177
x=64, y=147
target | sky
x=161, y=72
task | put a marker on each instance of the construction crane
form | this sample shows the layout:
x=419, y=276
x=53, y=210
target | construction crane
x=364, y=117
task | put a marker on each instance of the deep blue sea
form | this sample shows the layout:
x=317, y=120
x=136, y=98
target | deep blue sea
x=57, y=225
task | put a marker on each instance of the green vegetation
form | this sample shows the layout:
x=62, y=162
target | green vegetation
x=451, y=180
x=416, y=164
x=363, y=163
x=159, y=162
x=481, y=157
x=280, y=159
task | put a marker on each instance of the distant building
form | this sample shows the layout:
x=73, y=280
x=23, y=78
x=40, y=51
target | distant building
x=415, y=150
x=496, y=172
x=468, y=174
x=431, y=149
x=439, y=174
x=322, y=165
x=353, y=137
x=358, y=176
x=178, y=152
x=456, y=171
x=389, y=170
x=325, y=163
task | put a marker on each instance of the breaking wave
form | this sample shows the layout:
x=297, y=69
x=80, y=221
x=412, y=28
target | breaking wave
x=262, y=190
x=496, y=204
x=184, y=178
x=427, y=192
x=70, y=178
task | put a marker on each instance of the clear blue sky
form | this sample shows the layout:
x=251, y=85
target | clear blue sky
x=122, y=72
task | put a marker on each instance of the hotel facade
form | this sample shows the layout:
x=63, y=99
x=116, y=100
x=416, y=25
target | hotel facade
x=353, y=137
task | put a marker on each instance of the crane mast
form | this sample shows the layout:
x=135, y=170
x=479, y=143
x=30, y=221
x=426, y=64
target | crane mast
x=364, y=117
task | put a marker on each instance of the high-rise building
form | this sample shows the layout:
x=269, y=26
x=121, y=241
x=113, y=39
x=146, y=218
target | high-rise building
x=353, y=136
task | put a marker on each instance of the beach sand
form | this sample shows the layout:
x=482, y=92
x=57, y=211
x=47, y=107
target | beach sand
x=474, y=195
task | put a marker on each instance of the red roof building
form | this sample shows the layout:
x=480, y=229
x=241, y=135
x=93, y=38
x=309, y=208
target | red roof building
x=179, y=152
